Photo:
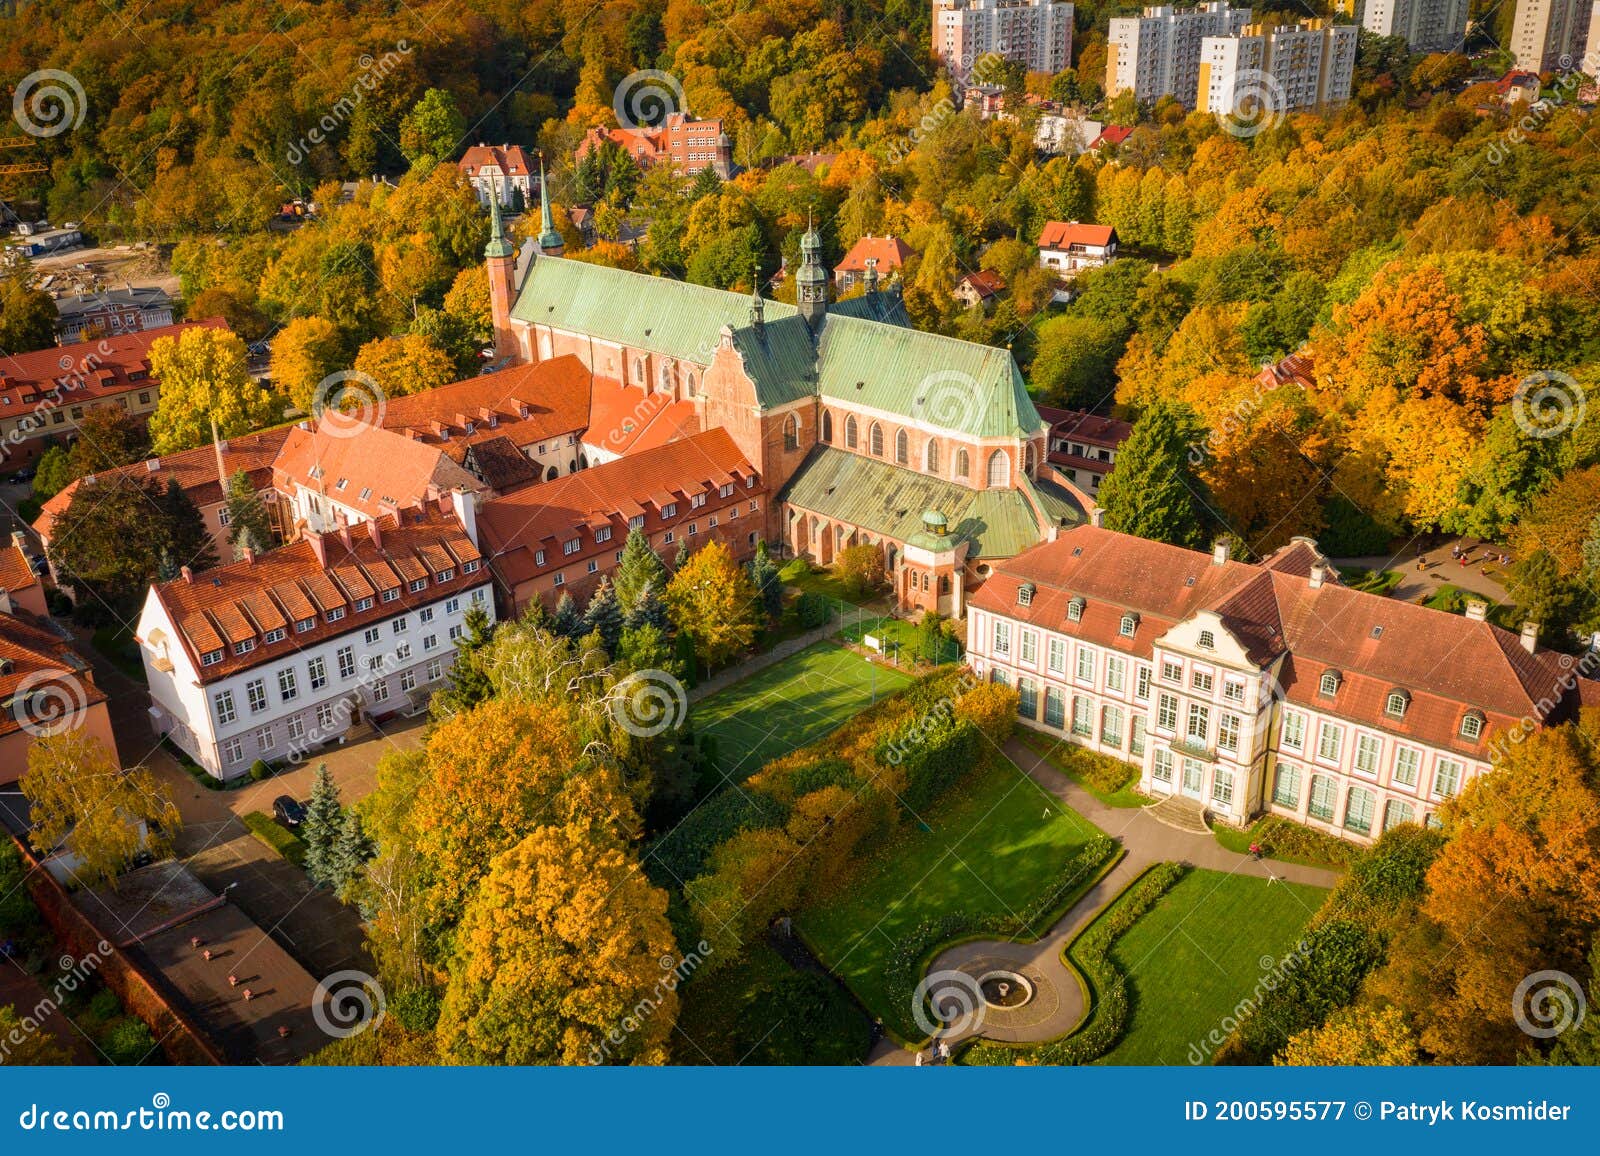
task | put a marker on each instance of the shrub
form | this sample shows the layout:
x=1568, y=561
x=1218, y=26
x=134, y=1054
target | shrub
x=993, y=708
x=104, y=1007
x=281, y=840
x=17, y=912
x=812, y=610
x=128, y=1042
x=260, y=770
x=682, y=853
x=417, y=1008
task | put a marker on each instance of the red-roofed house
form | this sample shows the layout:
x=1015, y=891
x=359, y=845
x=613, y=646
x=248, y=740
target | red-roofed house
x=1066, y=248
x=1113, y=135
x=1083, y=446
x=1260, y=688
x=44, y=393
x=887, y=255
x=1292, y=370
x=978, y=288
x=690, y=145
x=44, y=686
x=504, y=169
x=625, y=419
x=21, y=592
x=281, y=653
x=564, y=536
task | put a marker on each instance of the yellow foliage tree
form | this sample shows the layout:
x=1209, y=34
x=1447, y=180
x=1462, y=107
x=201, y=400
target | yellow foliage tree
x=1354, y=1037
x=305, y=352
x=204, y=377
x=410, y=363
x=712, y=601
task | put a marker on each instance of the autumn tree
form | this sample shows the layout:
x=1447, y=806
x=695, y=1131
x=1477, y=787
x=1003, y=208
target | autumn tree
x=204, y=381
x=1355, y=1037
x=712, y=603
x=80, y=800
x=27, y=313
x=860, y=568
x=433, y=128
x=411, y=363
x=110, y=546
x=564, y=947
x=1155, y=491
x=1265, y=471
x=304, y=353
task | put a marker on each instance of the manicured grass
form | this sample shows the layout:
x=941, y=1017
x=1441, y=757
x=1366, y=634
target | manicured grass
x=1199, y=952
x=802, y=575
x=1371, y=581
x=1289, y=842
x=894, y=632
x=1454, y=599
x=990, y=846
x=1111, y=781
x=285, y=842
x=789, y=704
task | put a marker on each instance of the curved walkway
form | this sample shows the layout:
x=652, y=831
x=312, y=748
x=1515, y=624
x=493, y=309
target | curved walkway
x=1058, y=993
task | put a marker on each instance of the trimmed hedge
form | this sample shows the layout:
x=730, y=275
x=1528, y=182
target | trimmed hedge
x=683, y=852
x=285, y=842
x=1091, y=951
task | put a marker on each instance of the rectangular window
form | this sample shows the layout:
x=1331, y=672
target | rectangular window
x=1055, y=707
x=304, y=625
x=1222, y=787
x=392, y=594
x=288, y=687
x=1329, y=742
x=335, y=614
x=430, y=642
x=1322, y=793
x=1407, y=760
x=277, y=635
x=1368, y=748
x=1228, y=732
x=401, y=625
x=265, y=740
x=347, y=662
x=1085, y=671
x=1141, y=684
x=380, y=690
x=1111, y=726
x=1232, y=690
x=297, y=727
x=456, y=632
x=1030, y=647
x=559, y=580
x=223, y=702
x=255, y=693
x=447, y=575
x=1201, y=681
x=1294, y=731
x=324, y=716
x=417, y=585
x=572, y=547
x=1166, y=712
x=1058, y=656
x=1002, y=637
x=1171, y=671
x=1199, y=727
x=1116, y=669
x=245, y=646
x=232, y=751
x=408, y=680
x=434, y=670
x=1082, y=716
x=318, y=669
x=1358, y=810
x=1136, y=736
x=363, y=604
x=453, y=606
x=425, y=614
x=1286, y=787
x=1161, y=766
x=1446, y=779
x=1027, y=698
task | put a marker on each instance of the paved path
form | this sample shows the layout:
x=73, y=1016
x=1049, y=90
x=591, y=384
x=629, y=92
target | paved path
x=1146, y=841
x=1481, y=577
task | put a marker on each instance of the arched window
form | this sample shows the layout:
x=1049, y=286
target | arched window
x=875, y=440
x=902, y=448
x=963, y=465
x=791, y=432
x=1027, y=459
x=930, y=457
x=827, y=427
x=689, y=385
x=638, y=370
x=850, y=431
x=666, y=378
x=999, y=469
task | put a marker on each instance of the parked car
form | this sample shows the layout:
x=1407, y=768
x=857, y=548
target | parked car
x=25, y=474
x=288, y=811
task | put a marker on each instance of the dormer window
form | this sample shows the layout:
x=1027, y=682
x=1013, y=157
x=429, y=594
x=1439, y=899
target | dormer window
x=1130, y=623
x=244, y=646
x=211, y=658
x=1395, y=704
x=1208, y=640
x=1075, y=610
x=1025, y=594
x=304, y=625
x=1472, y=725
x=1329, y=686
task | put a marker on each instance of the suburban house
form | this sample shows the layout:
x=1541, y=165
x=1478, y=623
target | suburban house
x=981, y=288
x=503, y=171
x=21, y=591
x=562, y=537
x=82, y=316
x=1066, y=248
x=882, y=255
x=1269, y=688
x=1066, y=134
x=284, y=652
x=1083, y=446
x=687, y=144
x=44, y=393
x=44, y=686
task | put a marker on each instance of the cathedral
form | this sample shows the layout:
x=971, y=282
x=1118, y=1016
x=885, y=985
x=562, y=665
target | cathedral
x=867, y=430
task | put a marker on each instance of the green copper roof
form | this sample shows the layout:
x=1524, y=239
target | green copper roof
x=889, y=500
x=976, y=389
x=498, y=246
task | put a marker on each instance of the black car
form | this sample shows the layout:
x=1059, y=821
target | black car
x=25, y=474
x=287, y=811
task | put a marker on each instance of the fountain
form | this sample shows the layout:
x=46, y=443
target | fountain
x=1004, y=989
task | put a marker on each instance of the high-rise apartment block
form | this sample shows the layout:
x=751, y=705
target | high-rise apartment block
x=1427, y=25
x=1158, y=53
x=1309, y=64
x=1552, y=35
x=1036, y=34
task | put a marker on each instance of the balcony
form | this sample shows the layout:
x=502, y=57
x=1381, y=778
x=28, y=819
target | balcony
x=1190, y=749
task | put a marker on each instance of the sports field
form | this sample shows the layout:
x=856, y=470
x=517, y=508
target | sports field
x=789, y=704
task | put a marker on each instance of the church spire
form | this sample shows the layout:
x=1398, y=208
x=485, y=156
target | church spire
x=498, y=246
x=758, y=305
x=550, y=242
x=811, y=280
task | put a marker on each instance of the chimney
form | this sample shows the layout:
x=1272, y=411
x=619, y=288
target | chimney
x=465, y=505
x=318, y=546
x=1052, y=534
x=344, y=534
x=375, y=533
x=1477, y=610
x=1219, y=552
x=1530, y=636
x=19, y=539
x=1319, y=574
x=188, y=575
x=1097, y=517
x=249, y=556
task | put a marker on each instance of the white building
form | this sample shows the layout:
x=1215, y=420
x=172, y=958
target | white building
x=274, y=656
x=1066, y=134
x=1158, y=53
x=1259, y=688
x=1310, y=65
x=505, y=170
x=1067, y=248
x=1034, y=33
x=1427, y=25
x=1551, y=35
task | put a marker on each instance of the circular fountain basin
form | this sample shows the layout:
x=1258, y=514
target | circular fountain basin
x=1004, y=989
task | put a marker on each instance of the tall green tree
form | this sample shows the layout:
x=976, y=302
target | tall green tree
x=249, y=525
x=321, y=828
x=433, y=128
x=567, y=621
x=1155, y=491
x=764, y=576
x=352, y=849
x=641, y=567
x=188, y=541
x=604, y=616
x=108, y=546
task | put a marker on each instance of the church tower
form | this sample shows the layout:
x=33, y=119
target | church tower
x=811, y=281
x=550, y=242
x=501, y=260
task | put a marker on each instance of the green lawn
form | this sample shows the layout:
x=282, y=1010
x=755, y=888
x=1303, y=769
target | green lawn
x=1195, y=955
x=1110, y=780
x=802, y=575
x=897, y=631
x=789, y=704
x=992, y=844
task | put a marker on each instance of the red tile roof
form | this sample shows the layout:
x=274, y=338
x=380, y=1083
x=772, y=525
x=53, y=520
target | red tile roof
x=1292, y=370
x=1112, y=134
x=526, y=403
x=1086, y=427
x=85, y=372
x=41, y=665
x=1061, y=234
x=195, y=470
x=369, y=469
x=16, y=569
x=216, y=608
x=986, y=282
x=624, y=419
x=513, y=160
x=891, y=253
x=513, y=527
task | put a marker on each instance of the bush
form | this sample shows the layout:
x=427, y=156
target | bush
x=993, y=708
x=128, y=1042
x=104, y=1007
x=1091, y=951
x=812, y=610
x=1285, y=839
x=17, y=912
x=417, y=1008
x=860, y=569
x=259, y=770
x=803, y=1019
x=285, y=842
x=682, y=853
